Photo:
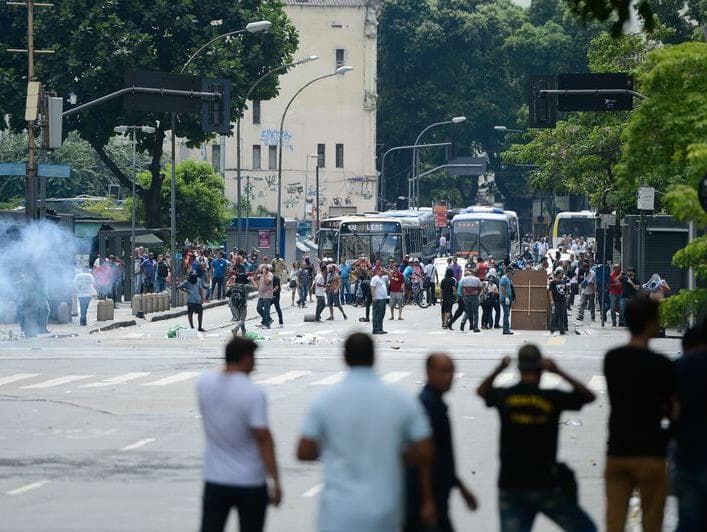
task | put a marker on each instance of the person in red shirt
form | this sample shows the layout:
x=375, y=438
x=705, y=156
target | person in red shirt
x=615, y=290
x=482, y=268
x=397, y=293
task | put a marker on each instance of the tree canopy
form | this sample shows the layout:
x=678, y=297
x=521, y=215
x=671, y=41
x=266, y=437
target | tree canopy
x=100, y=40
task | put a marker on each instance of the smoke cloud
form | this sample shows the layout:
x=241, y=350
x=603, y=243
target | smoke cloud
x=40, y=260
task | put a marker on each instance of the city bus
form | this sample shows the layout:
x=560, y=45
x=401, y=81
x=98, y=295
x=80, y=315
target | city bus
x=482, y=231
x=327, y=238
x=577, y=224
x=424, y=220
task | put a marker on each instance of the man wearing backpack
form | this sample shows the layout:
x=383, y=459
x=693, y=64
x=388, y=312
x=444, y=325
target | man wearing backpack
x=162, y=274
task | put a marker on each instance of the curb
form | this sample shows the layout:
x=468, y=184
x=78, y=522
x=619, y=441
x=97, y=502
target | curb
x=115, y=325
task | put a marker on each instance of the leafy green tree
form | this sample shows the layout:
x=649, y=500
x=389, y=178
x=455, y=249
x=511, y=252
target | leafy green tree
x=202, y=208
x=101, y=40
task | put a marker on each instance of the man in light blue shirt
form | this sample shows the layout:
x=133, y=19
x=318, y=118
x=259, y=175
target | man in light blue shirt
x=364, y=431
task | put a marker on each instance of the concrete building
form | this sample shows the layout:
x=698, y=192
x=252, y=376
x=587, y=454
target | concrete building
x=331, y=123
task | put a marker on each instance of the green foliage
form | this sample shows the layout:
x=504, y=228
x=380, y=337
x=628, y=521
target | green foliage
x=675, y=309
x=202, y=210
x=100, y=40
x=108, y=208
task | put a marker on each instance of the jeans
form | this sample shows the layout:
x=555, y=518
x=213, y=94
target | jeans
x=302, y=290
x=587, y=300
x=471, y=307
x=691, y=487
x=84, y=302
x=160, y=284
x=622, y=475
x=239, y=316
x=321, y=303
x=518, y=509
x=615, y=307
x=276, y=304
x=216, y=288
x=506, y=317
x=496, y=306
x=378, y=314
x=263, y=309
x=345, y=291
x=623, y=303
x=218, y=500
x=558, y=322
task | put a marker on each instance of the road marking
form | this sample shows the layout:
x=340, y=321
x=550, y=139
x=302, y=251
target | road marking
x=297, y=324
x=437, y=332
x=548, y=381
x=57, y=381
x=504, y=378
x=313, y=491
x=285, y=377
x=17, y=377
x=137, y=444
x=331, y=379
x=395, y=376
x=116, y=380
x=458, y=374
x=557, y=340
x=323, y=332
x=183, y=376
x=398, y=332
x=597, y=383
x=26, y=488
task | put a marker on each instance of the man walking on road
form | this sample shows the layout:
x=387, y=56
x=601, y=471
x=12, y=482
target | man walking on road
x=443, y=474
x=195, y=289
x=531, y=481
x=240, y=451
x=615, y=290
x=319, y=290
x=218, y=267
x=364, y=430
x=507, y=295
x=641, y=386
x=588, y=288
x=397, y=294
x=263, y=281
x=559, y=288
x=379, y=293
x=83, y=288
x=471, y=290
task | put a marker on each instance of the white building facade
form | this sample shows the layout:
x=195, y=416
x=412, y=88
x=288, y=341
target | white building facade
x=332, y=123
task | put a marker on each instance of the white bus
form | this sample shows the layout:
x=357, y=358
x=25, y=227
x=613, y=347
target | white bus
x=577, y=224
x=424, y=220
x=481, y=232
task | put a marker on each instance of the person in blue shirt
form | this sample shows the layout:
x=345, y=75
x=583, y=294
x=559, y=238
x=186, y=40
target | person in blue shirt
x=218, y=268
x=507, y=296
x=345, y=290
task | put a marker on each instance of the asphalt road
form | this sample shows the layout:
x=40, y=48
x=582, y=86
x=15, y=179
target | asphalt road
x=101, y=432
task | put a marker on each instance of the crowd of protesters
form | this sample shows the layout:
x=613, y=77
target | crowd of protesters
x=388, y=458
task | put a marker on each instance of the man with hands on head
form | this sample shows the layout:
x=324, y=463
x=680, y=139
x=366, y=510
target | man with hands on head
x=531, y=480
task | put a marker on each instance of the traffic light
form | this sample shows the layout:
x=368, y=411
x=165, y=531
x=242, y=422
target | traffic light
x=55, y=106
x=542, y=107
x=216, y=112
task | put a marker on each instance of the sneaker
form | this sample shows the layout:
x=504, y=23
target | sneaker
x=330, y=318
x=507, y=332
x=201, y=329
x=477, y=331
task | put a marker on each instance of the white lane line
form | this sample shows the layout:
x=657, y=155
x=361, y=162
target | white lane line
x=331, y=379
x=17, y=377
x=437, y=332
x=458, y=374
x=137, y=444
x=313, y=491
x=26, y=488
x=297, y=324
x=117, y=380
x=323, y=332
x=549, y=381
x=285, y=377
x=183, y=376
x=57, y=382
x=597, y=383
x=504, y=378
x=395, y=376
x=398, y=332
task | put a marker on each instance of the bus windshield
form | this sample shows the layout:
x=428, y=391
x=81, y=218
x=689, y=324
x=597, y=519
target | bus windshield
x=481, y=237
x=576, y=227
x=327, y=243
x=371, y=246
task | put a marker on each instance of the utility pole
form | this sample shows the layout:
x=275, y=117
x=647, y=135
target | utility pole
x=32, y=108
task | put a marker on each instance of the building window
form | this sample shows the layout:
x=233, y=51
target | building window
x=339, y=57
x=256, y=157
x=216, y=157
x=272, y=157
x=339, y=155
x=321, y=155
x=256, y=111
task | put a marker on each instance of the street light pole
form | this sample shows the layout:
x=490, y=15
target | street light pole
x=414, y=188
x=278, y=223
x=252, y=27
x=306, y=182
x=238, y=132
x=317, y=186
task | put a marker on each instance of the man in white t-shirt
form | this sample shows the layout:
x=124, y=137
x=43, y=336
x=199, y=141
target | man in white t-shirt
x=240, y=451
x=379, y=294
x=319, y=289
x=83, y=288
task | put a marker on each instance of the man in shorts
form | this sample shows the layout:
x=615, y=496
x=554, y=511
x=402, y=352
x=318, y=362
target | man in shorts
x=397, y=293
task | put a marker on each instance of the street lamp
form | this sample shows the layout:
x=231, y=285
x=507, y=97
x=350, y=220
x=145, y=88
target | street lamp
x=278, y=224
x=504, y=129
x=122, y=130
x=252, y=27
x=238, y=132
x=413, y=189
x=306, y=182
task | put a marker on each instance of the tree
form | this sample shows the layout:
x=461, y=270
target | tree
x=202, y=208
x=101, y=40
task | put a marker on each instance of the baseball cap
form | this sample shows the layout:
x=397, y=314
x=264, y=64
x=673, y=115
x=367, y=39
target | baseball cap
x=529, y=358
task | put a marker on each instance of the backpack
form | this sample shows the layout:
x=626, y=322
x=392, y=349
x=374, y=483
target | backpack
x=162, y=270
x=237, y=297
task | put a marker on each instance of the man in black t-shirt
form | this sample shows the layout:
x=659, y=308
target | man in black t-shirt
x=630, y=287
x=531, y=481
x=559, y=289
x=641, y=386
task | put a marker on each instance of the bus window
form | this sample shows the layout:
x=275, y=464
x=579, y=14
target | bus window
x=576, y=227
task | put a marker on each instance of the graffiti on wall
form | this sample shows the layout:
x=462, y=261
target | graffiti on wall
x=271, y=137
